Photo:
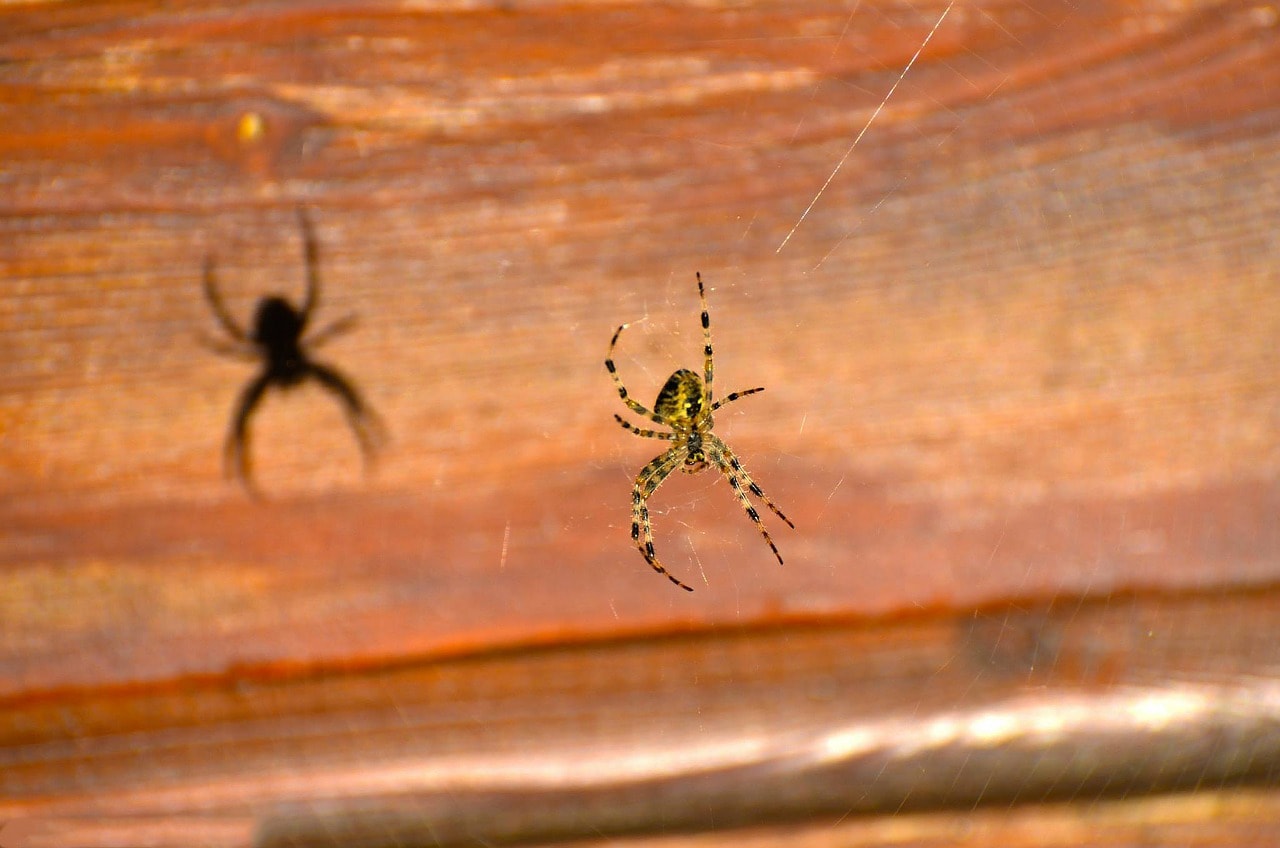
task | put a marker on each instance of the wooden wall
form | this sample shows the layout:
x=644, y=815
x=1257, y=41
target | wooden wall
x=1019, y=346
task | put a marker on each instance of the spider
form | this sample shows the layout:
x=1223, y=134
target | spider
x=277, y=341
x=685, y=405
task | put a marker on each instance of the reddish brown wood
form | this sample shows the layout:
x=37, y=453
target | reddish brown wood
x=1021, y=348
x=1080, y=700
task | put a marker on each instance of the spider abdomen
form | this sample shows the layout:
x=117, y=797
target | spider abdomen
x=680, y=400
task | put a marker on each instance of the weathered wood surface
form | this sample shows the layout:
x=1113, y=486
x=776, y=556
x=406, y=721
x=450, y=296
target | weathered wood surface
x=1080, y=701
x=1022, y=347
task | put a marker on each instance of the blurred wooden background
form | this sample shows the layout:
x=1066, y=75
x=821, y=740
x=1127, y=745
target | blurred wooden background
x=1020, y=358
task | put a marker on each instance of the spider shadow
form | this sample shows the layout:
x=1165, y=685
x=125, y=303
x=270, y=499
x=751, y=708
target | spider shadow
x=278, y=341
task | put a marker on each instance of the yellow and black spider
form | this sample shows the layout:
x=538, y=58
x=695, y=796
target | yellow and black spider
x=685, y=404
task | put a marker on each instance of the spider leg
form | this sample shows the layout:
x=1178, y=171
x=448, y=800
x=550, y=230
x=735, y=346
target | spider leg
x=337, y=328
x=647, y=482
x=722, y=449
x=364, y=421
x=219, y=308
x=632, y=404
x=311, y=259
x=709, y=371
x=648, y=434
x=732, y=396
x=237, y=449
x=733, y=471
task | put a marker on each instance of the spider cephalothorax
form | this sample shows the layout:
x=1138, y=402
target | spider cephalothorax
x=277, y=341
x=685, y=405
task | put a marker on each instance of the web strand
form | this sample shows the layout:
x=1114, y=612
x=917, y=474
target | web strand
x=866, y=126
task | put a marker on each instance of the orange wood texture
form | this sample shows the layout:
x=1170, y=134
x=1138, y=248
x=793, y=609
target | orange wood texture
x=1019, y=343
x=1090, y=703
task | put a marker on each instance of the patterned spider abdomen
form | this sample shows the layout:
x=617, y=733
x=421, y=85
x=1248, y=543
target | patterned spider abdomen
x=680, y=400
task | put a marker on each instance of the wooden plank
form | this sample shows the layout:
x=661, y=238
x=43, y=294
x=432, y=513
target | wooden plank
x=1076, y=701
x=1019, y=353
x=1023, y=344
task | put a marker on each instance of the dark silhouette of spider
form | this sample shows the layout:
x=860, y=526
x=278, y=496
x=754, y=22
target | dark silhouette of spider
x=277, y=341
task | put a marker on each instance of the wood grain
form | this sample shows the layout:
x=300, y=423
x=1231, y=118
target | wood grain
x=1079, y=701
x=1020, y=348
